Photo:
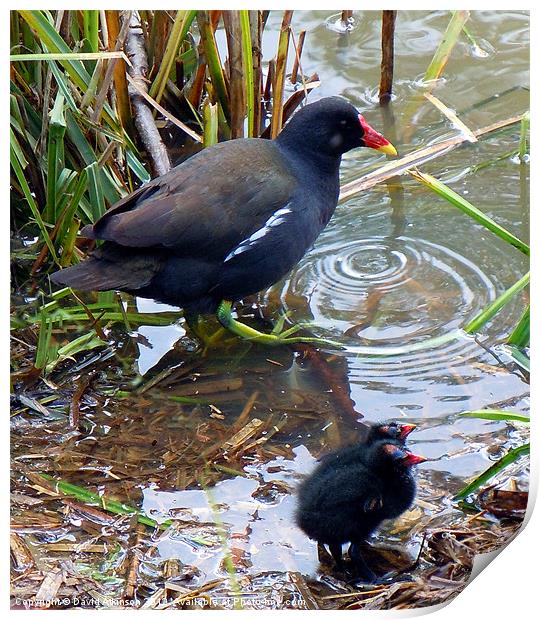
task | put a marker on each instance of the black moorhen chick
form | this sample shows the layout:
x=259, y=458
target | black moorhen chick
x=228, y=222
x=346, y=501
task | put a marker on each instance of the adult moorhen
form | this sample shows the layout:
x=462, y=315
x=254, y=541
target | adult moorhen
x=345, y=501
x=228, y=222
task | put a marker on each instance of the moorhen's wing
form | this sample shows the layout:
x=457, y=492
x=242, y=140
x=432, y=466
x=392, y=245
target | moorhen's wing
x=205, y=206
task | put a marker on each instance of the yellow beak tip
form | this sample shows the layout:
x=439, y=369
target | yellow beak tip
x=388, y=149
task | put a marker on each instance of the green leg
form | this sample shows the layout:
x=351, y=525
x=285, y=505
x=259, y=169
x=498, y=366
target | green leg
x=192, y=320
x=196, y=326
x=224, y=315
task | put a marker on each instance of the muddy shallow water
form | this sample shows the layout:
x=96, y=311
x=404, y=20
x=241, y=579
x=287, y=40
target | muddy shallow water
x=395, y=268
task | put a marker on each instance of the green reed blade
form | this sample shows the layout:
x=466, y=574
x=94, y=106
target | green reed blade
x=182, y=23
x=464, y=205
x=68, y=240
x=110, y=505
x=490, y=311
x=70, y=56
x=523, y=136
x=94, y=189
x=210, y=119
x=497, y=415
x=44, y=352
x=55, y=157
x=510, y=457
x=521, y=335
x=86, y=342
x=214, y=63
x=450, y=38
x=77, y=314
x=19, y=173
x=247, y=53
x=16, y=146
x=140, y=171
x=71, y=208
x=91, y=29
x=519, y=357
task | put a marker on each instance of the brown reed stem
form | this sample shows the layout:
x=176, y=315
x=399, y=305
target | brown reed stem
x=387, y=61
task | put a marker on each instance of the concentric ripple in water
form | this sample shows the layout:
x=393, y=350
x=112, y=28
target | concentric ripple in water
x=387, y=292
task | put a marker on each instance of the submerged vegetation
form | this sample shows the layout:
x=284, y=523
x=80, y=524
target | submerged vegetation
x=100, y=102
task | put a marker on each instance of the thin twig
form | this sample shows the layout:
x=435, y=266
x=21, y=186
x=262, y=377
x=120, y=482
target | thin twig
x=144, y=120
x=298, y=47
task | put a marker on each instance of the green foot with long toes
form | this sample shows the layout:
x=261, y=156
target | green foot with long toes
x=276, y=338
x=199, y=329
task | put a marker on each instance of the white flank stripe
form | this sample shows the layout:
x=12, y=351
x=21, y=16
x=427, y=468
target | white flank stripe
x=277, y=218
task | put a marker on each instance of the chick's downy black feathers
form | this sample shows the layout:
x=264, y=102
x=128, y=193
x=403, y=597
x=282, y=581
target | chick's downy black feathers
x=346, y=500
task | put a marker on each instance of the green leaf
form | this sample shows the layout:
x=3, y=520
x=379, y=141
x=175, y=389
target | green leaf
x=450, y=38
x=464, y=205
x=44, y=352
x=70, y=56
x=72, y=206
x=19, y=173
x=182, y=23
x=110, y=505
x=94, y=188
x=490, y=311
x=496, y=415
x=210, y=119
x=247, y=53
x=523, y=134
x=519, y=357
x=86, y=342
x=521, y=335
x=55, y=156
x=510, y=457
x=140, y=171
x=214, y=63
x=91, y=29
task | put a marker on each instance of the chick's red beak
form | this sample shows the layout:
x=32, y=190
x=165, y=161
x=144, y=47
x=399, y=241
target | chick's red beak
x=414, y=459
x=374, y=139
x=406, y=429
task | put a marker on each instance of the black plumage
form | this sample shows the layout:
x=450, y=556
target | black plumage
x=346, y=500
x=231, y=220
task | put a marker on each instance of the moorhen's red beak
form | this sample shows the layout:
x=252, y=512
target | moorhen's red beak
x=374, y=139
x=414, y=459
x=406, y=429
